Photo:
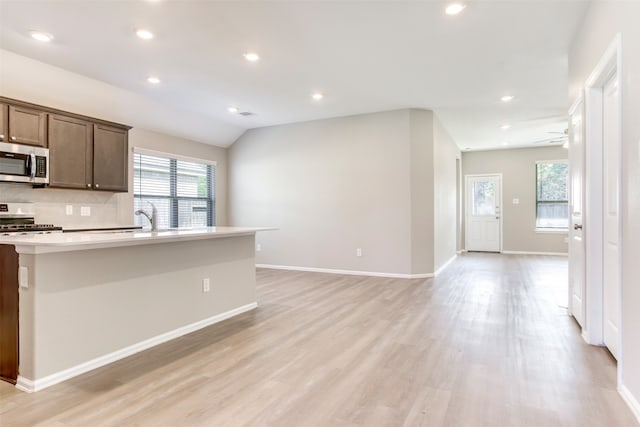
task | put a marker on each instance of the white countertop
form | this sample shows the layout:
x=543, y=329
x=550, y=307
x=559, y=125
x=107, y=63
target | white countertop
x=65, y=242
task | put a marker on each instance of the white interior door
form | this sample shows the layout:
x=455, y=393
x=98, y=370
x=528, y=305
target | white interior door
x=576, y=207
x=483, y=217
x=611, y=250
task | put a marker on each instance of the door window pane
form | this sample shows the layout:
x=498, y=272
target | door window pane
x=484, y=198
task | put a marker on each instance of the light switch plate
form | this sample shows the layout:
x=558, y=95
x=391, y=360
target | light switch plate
x=69, y=209
x=516, y=201
x=85, y=211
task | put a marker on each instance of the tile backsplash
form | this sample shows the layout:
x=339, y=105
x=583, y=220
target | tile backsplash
x=107, y=209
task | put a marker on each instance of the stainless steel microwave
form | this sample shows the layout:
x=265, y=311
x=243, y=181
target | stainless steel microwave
x=22, y=163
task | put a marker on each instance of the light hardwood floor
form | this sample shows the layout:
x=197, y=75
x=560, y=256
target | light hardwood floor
x=484, y=344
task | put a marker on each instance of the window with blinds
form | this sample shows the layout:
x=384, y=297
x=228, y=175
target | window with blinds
x=182, y=191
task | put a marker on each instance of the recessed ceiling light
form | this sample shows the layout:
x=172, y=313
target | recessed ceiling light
x=505, y=127
x=153, y=80
x=454, y=8
x=144, y=34
x=317, y=96
x=232, y=110
x=251, y=56
x=507, y=98
x=505, y=143
x=41, y=37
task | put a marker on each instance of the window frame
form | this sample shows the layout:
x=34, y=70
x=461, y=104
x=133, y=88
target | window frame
x=173, y=198
x=550, y=230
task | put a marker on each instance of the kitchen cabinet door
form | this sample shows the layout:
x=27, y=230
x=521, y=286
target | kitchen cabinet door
x=70, y=152
x=27, y=126
x=4, y=122
x=110, y=158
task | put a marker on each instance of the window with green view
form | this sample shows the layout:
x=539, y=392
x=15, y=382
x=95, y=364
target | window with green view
x=552, y=194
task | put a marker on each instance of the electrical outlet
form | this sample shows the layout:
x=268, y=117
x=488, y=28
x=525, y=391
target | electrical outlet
x=206, y=285
x=258, y=247
x=516, y=201
x=359, y=252
x=85, y=211
x=69, y=209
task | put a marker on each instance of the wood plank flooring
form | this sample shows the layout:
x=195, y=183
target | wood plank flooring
x=484, y=344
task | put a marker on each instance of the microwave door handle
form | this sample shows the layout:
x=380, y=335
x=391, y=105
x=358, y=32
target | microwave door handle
x=32, y=165
x=27, y=165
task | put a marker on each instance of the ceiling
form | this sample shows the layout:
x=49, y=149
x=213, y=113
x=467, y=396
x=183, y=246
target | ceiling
x=364, y=56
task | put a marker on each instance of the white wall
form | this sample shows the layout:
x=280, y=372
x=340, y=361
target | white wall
x=330, y=186
x=420, y=168
x=602, y=22
x=445, y=153
x=22, y=78
x=518, y=169
x=335, y=185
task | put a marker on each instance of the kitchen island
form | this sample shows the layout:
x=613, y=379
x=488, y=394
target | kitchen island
x=90, y=298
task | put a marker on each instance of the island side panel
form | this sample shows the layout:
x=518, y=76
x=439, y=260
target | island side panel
x=94, y=302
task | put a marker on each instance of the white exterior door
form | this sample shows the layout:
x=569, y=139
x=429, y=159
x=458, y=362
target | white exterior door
x=483, y=218
x=576, y=207
x=611, y=250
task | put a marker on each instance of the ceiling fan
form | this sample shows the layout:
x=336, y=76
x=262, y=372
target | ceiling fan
x=560, y=137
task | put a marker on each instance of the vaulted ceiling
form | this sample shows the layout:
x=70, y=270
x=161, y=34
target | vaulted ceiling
x=363, y=56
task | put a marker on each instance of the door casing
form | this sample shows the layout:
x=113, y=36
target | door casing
x=609, y=65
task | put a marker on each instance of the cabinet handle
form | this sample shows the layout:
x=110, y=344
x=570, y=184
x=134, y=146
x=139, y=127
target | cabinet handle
x=88, y=185
x=13, y=138
x=97, y=185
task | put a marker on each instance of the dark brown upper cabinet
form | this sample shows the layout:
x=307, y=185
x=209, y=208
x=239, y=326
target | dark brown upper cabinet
x=70, y=152
x=27, y=126
x=84, y=152
x=4, y=122
x=85, y=155
x=110, y=158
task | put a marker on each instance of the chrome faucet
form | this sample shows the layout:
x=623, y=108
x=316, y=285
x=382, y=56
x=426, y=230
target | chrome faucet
x=153, y=218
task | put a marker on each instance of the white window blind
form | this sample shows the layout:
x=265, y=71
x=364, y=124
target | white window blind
x=182, y=191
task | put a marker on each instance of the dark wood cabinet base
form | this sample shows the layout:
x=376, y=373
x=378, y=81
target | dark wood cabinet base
x=8, y=314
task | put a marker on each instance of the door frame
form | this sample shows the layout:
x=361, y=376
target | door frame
x=610, y=65
x=467, y=207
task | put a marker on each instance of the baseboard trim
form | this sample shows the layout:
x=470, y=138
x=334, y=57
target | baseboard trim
x=28, y=385
x=535, y=253
x=445, y=265
x=630, y=400
x=346, y=272
x=25, y=384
